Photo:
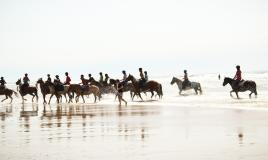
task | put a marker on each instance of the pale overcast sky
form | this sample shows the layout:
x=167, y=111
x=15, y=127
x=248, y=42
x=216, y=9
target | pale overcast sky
x=163, y=36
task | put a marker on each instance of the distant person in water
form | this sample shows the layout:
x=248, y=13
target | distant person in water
x=238, y=76
x=186, y=81
x=119, y=87
x=68, y=79
x=219, y=76
x=101, y=78
x=2, y=83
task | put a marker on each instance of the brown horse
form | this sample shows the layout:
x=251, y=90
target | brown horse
x=8, y=93
x=77, y=89
x=104, y=89
x=27, y=90
x=150, y=86
x=47, y=89
x=126, y=87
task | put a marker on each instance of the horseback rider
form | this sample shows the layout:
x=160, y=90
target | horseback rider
x=238, y=76
x=84, y=83
x=68, y=79
x=49, y=81
x=145, y=76
x=2, y=83
x=124, y=76
x=186, y=81
x=58, y=84
x=106, y=79
x=89, y=76
x=101, y=78
x=26, y=80
x=142, y=78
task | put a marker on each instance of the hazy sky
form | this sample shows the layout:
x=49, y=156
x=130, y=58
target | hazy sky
x=162, y=36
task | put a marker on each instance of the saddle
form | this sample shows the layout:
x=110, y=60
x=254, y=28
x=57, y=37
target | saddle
x=85, y=88
x=241, y=83
x=2, y=88
x=59, y=88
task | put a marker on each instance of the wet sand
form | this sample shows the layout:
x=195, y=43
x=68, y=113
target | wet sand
x=138, y=131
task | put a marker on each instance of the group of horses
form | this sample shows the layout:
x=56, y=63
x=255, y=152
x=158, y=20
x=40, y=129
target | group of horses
x=75, y=91
x=98, y=89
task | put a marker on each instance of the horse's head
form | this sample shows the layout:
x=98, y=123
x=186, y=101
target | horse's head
x=112, y=81
x=226, y=81
x=173, y=81
x=40, y=80
x=18, y=82
x=129, y=78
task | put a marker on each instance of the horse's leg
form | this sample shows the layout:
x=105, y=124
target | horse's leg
x=4, y=99
x=152, y=92
x=139, y=94
x=195, y=89
x=180, y=91
x=237, y=95
x=83, y=98
x=10, y=98
x=65, y=98
x=76, y=98
x=33, y=96
x=44, y=97
x=250, y=94
x=231, y=93
x=36, y=94
x=95, y=98
x=50, y=98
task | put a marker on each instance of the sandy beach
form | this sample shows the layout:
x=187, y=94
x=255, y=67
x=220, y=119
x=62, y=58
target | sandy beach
x=133, y=132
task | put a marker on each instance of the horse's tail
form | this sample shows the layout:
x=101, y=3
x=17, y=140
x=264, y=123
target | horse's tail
x=200, y=88
x=16, y=94
x=255, y=88
x=161, y=90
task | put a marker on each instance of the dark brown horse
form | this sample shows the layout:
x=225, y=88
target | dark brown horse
x=47, y=89
x=242, y=86
x=79, y=91
x=8, y=93
x=27, y=90
x=150, y=86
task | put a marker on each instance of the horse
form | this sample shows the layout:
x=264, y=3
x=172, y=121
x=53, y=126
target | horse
x=126, y=87
x=27, y=90
x=193, y=85
x=104, y=89
x=47, y=89
x=92, y=89
x=242, y=86
x=8, y=93
x=150, y=86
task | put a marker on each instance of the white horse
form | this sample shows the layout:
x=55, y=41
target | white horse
x=193, y=85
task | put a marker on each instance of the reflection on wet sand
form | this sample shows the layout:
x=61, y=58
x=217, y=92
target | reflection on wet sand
x=5, y=111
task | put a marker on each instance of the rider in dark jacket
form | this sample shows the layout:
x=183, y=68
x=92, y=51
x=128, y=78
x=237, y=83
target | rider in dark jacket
x=186, y=81
x=2, y=83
